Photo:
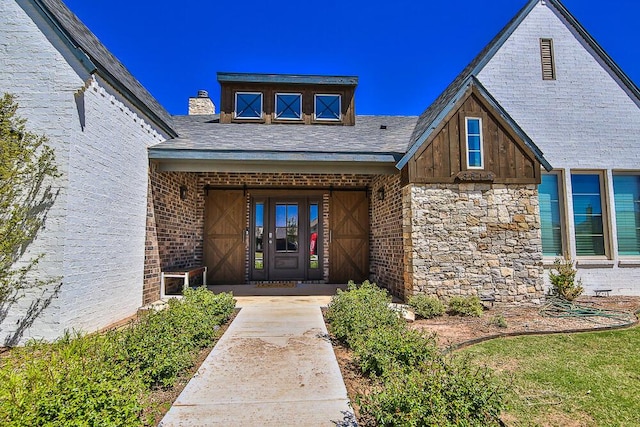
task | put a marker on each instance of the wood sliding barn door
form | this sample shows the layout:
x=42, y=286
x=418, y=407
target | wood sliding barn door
x=349, y=236
x=224, y=225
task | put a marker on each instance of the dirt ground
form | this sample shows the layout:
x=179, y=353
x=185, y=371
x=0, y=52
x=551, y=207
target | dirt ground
x=453, y=331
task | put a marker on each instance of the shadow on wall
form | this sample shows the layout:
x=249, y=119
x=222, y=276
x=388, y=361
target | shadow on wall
x=16, y=281
x=28, y=172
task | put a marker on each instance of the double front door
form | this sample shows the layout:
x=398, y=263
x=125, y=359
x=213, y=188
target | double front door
x=286, y=241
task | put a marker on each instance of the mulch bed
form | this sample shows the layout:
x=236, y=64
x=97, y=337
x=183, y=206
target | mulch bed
x=454, y=331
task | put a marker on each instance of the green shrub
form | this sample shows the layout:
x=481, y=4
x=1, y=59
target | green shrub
x=71, y=382
x=465, y=306
x=105, y=379
x=563, y=283
x=499, y=321
x=442, y=392
x=426, y=306
x=381, y=349
x=164, y=343
x=353, y=312
x=413, y=383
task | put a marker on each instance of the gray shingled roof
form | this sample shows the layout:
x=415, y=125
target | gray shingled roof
x=108, y=66
x=366, y=137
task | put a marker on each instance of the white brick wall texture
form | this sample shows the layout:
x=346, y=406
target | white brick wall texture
x=585, y=119
x=94, y=235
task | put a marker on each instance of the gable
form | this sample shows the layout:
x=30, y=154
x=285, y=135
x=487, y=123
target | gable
x=442, y=158
x=589, y=115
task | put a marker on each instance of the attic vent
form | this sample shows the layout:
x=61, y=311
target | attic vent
x=548, y=63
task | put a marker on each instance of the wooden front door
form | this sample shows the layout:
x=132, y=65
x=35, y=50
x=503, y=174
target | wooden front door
x=349, y=236
x=224, y=234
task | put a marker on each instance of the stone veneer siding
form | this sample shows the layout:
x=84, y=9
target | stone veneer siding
x=470, y=239
x=386, y=246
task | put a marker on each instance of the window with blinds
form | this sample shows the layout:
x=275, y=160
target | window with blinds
x=588, y=214
x=548, y=62
x=626, y=190
x=550, y=218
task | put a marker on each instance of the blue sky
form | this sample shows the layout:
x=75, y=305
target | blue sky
x=404, y=52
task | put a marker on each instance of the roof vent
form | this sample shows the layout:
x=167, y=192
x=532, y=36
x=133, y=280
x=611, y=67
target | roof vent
x=203, y=94
x=383, y=127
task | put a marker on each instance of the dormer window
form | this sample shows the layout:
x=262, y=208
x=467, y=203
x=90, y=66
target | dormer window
x=474, y=143
x=327, y=107
x=248, y=105
x=288, y=106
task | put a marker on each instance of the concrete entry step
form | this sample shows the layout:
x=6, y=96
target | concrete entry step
x=273, y=367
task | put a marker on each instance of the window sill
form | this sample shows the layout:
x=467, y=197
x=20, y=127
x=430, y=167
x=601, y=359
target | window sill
x=629, y=263
x=247, y=120
x=595, y=263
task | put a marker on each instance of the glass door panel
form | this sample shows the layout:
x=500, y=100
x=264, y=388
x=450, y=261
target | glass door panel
x=313, y=236
x=259, y=236
x=286, y=227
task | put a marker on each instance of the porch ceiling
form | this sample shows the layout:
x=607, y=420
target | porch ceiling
x=326, y=164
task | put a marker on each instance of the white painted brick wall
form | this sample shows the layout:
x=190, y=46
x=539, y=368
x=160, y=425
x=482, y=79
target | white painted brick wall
x=582, y=120
x=94, y=236
x=106, y=211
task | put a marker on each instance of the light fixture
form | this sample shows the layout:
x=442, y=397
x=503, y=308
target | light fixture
x=183, y=192
x=381, y=193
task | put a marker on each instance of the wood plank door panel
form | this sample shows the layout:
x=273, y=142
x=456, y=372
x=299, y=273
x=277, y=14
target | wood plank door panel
x=224, y=249
x=349, y=236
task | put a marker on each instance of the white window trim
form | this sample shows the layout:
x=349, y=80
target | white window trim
x=275, y=107
x=466, y=142
x=235, y=106
x=606, y=214
x=315, y=103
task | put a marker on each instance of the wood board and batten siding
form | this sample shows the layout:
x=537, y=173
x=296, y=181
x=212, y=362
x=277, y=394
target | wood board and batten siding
x=442, y=157
x=224, y=234
x=268, y=91
x=349, y=240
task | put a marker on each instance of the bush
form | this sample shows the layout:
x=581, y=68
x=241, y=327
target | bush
x=105, y=379
x=353, y=312
x=442, y=392
x=71, y=382
x=162, y=343
x=499, y=321
x=382, y=349
x=413, y=383
x=465, y=306
x=426, y=306
x=563, y=283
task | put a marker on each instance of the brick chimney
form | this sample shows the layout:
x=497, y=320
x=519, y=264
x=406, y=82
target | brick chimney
x=201, y=104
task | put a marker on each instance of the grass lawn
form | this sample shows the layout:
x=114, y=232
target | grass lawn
x=589, y=379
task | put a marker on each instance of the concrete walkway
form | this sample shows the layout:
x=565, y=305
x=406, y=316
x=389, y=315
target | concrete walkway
x=272, y=367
